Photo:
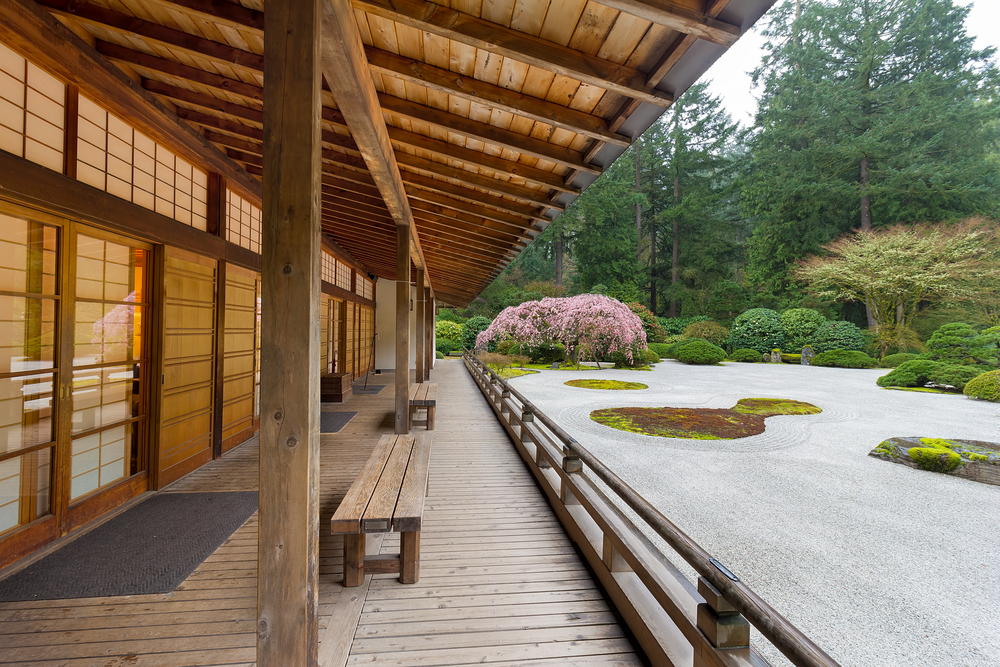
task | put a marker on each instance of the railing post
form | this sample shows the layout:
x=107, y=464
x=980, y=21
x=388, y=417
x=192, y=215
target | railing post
x=504, y=408
x=718, y=619
x=613, y=559
x=570, y=464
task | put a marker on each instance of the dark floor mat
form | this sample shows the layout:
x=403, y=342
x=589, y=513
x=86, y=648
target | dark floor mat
x=149, y=548
x=370, y=389
x=332, y=422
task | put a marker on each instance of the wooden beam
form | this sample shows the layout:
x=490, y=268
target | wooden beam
x=200, y=99
x=497, y=97
x=33, y=31
x=526, y=210
x=419, y=317
x=672, y=14
x=429, y=349
x=491, y=134
x=480, y=159
x=173, y=68
x=495, y=185
x=402, y=372
x=346, y=72
x=288, y=551
x=523, y=47
x=231, y=14
x=177, y=39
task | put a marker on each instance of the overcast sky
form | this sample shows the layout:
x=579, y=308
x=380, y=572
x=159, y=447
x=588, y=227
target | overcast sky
x=731, y=79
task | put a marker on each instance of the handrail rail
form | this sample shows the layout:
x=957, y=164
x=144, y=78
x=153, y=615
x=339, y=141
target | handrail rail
x=788, y=639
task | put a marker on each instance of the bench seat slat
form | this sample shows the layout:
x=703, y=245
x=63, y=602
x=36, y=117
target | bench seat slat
x=410, y=508
x=347, y=518
x=378, y=517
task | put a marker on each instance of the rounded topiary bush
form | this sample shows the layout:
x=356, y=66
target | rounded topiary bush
x=799, y=325
x=922, y=372
x=894, y=360
x=985, y=386
x=671, y=352
x=445, y=345
x=844, y=359
x=650, y=357
x=746, y=355
x=839, y=335
x=713, y=332
x=758, y=329
x=448, y=329
x=439, y=355
x=701, y=352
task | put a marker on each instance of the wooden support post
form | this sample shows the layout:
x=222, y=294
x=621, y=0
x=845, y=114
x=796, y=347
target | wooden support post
x=402, y=329
x=718, y=619
x=421, y=332
x=612, y=559
x=219, y=365
x=429, y=324
x=288, y=551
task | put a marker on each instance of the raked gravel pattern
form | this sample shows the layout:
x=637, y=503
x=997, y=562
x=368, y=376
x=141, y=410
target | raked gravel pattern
x=880, y=564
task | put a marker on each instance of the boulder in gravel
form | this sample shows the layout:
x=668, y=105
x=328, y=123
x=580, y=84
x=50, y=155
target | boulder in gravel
x=971, y=459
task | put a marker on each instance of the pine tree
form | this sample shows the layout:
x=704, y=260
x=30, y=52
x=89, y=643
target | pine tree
x=872, y=113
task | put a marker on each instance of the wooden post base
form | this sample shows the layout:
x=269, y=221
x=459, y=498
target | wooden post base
x=356, y=565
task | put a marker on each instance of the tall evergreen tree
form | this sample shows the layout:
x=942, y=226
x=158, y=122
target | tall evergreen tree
x=873, y=112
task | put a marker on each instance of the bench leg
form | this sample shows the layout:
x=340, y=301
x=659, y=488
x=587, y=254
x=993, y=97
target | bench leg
x=354, y=559
x=409, y=418
x=409, y=557
x=430, y=417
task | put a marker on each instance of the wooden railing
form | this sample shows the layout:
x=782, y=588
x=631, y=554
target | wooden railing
x=674, y=622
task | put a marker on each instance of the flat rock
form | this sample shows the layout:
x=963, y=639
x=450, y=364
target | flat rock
x=896, y=450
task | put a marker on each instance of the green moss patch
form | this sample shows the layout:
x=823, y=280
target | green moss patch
x=508, y=373
x=923, y=390
x=744, y=419
x=606, y=384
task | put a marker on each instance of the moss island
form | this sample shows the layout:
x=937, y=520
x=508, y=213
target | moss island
x=744, y=419
x=614, y=385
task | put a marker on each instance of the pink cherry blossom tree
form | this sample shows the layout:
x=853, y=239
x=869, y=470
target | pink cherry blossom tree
x=592, y=323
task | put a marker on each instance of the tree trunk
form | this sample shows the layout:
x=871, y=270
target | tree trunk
x=675, y=252
x=638, y=204
x=559, y=257
x=866, y=201
x=652, y=269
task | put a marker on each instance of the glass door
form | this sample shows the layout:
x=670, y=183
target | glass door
x=109, y=413
x=29, y=308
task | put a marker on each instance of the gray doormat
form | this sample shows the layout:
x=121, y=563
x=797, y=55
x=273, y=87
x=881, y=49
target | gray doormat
x=147, y=549
x=371, y=389
x=332, y=422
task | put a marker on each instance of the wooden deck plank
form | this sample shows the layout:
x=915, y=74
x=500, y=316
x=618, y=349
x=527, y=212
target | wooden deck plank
x=500, y=581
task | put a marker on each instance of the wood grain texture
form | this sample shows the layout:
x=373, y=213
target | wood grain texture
x=288, y=548
x=378, y=515
x=402, y=384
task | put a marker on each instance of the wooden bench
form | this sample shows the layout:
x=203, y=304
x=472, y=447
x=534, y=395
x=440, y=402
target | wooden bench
x=387, y=496
x=423, y=396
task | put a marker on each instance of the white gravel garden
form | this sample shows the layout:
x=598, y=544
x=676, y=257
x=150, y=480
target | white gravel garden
x=880, y=564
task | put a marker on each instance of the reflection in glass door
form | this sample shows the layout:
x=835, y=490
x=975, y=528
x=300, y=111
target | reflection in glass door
x=29, y=303
x=108, y=412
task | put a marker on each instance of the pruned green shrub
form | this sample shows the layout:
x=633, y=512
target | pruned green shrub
x=546, y=353
x=894, y=360
x=799, y=325
x=923, y=372
x=650, y=357
x=700, y=352
x=985, y=386
x=935, y=459
x=448, y=329
x=471, y=329
x=671, y=352
x=445, y=345
x=959, y=343
x=676, y=325
x=714, y=333
x=439, y=355
x=838, y=335
x=844, y=359
x=659, y=348
x=650, y=323
x=758, y=329
x=746, y=355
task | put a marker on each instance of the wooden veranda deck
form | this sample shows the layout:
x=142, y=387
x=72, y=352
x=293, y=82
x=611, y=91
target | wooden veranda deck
x=499, y=580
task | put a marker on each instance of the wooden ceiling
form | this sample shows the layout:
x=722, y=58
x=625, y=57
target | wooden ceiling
x=498, y=112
